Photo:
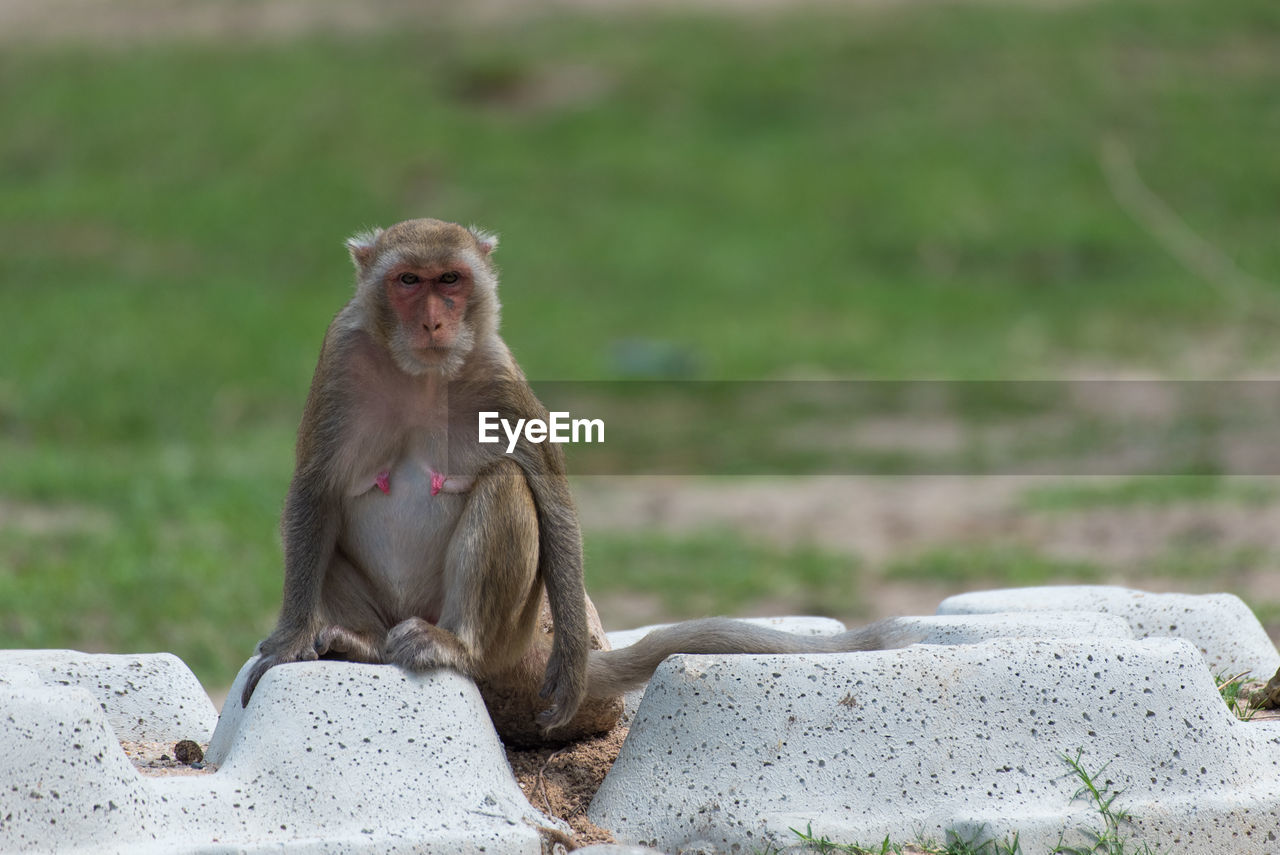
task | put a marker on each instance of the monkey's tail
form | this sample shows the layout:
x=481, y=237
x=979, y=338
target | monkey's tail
x=612, y=672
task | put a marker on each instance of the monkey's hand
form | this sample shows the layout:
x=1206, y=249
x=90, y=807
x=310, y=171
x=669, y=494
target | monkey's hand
x=566, y=687
x=279, y=649
x=441, y=483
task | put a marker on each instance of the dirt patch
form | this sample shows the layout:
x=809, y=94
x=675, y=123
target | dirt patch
x=561, y=782
x=159, y=759
x=49, y=520
x=129, y=22
x=872, y=517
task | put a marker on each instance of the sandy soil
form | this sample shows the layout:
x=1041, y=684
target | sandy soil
x=126, y=22
x=133, y=21
x=562, y=781
x=159, y=759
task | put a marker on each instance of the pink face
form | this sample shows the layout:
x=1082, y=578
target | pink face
x=429, y=303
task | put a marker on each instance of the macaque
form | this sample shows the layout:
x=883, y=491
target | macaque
x=407, y=541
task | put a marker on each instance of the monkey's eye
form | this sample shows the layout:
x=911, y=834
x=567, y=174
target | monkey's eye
x=409, y=278
x=448, y=278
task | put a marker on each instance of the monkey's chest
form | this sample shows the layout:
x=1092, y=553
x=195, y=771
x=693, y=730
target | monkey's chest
x=397, y=533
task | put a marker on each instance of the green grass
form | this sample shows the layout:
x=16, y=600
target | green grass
x=1232, y=688
x=721, y=573
x=907, y=192
x=1001, y=564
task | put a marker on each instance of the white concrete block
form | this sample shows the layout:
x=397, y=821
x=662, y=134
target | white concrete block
x=147, y=697
x=16, y=675
x=329, y=757
x=344, y=751
x=64, y=782
x=737, y=750
x=801, y=625
x=1220, y=625
x=971, y=629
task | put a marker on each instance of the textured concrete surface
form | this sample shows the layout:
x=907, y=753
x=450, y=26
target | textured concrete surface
x=801, y=625
x=1220, y=625
x=963, y=733
x=329, y=757
x=146, y=697
x=735, y=751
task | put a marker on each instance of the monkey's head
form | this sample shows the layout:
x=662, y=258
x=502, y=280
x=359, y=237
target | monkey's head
x=430, y=290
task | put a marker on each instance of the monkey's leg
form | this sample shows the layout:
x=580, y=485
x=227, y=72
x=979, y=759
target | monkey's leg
x=350, y=627
x=338, y=642
x=491, y=594
x=353, y=626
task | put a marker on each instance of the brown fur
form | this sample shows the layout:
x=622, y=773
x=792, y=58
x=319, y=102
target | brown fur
x=453, y=578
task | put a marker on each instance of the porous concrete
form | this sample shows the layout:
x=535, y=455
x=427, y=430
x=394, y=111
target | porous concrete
x=1220, y=625
x=801, y=625
x=329, y=757
x=932, y=629
x=737, y=751
x=970, y=629
x=147, y=697
x=961, y=734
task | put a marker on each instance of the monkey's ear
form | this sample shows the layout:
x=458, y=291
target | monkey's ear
x=360, y=245
x=488, y=241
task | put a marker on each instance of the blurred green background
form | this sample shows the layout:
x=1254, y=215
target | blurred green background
x=895, y=190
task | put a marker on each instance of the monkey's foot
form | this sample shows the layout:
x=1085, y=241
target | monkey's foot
x=441, y=483
x=418, y=645
x=565, y=688
x=338, y=642
x=278, y=651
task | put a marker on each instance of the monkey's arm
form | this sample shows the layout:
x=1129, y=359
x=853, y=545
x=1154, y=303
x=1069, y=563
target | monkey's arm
x=560, y=565
x=310, y=532
x=309, y=526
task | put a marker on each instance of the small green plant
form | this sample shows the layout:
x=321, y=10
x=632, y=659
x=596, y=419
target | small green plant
x=1110, y=841
x=1233, y=692
x=957, y=846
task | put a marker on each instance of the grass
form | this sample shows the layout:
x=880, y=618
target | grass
x=1011, y=564
x=956, y=846
x=1112, y=840
x=891, y=193
x=1234, y=691
x=720, y=572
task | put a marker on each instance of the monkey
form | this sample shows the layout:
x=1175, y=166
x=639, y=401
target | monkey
x=407, y=541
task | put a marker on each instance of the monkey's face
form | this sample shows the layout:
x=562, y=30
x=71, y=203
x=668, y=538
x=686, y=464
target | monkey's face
x=431, y=289
x=430, y=306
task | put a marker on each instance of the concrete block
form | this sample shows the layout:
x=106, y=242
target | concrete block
x=147, y=697
x=801, y=625
x=329, y=757
x=372, y=756
x=65, y=784
x=971, y=629
x=735, y=751
x=931, y=629
x=1220, y=625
